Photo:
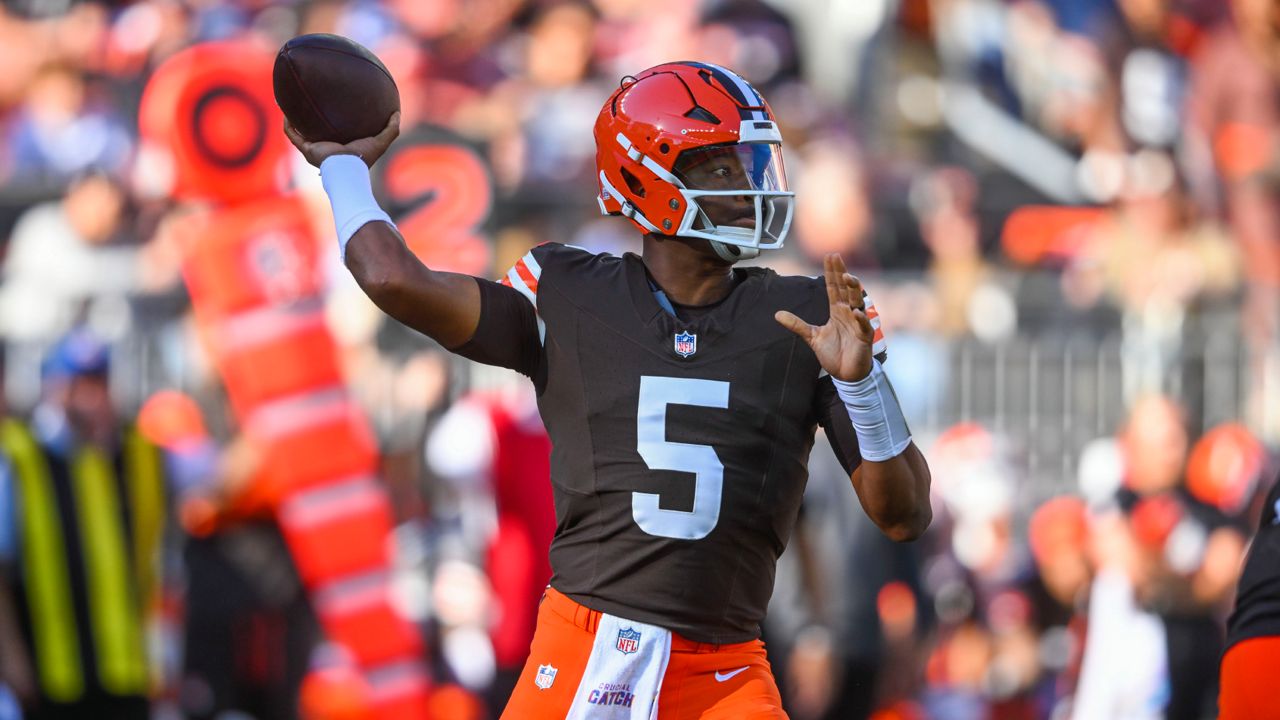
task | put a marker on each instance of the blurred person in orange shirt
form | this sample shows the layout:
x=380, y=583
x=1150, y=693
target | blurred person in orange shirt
x=248, y=629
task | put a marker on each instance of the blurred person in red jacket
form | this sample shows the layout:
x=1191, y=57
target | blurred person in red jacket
x=492, y=449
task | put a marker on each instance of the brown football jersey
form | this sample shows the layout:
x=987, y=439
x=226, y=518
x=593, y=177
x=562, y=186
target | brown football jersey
x=680, y=439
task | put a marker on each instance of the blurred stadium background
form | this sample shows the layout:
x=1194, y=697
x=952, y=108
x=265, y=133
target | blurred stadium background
x=1067, y=212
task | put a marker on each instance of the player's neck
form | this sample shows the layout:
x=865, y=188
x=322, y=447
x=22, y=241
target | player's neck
x=685, y=272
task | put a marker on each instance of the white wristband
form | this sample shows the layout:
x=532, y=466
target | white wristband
x=346, y=182
x=877, y=418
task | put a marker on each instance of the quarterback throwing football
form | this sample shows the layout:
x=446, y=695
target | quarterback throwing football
x=681, y=394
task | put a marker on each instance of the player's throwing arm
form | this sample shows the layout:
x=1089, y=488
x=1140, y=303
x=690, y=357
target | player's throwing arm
x=444, y=306
x=341, y=110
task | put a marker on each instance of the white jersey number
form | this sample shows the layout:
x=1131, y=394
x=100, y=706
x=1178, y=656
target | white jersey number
x=656, y=393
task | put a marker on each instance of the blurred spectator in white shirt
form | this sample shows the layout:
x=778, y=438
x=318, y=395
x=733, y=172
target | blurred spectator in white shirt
x=62, y=257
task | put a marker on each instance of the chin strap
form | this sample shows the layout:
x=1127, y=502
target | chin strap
x=733, y=253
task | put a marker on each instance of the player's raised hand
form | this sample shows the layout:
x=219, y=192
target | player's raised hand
x=843, y=345
x=368, y=149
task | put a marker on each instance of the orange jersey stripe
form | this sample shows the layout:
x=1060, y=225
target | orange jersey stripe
x=527, y=276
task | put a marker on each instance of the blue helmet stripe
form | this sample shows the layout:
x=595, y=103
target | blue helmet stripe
x=739, y=89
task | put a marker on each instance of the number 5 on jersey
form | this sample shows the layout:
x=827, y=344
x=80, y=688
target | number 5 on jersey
x=656, y=393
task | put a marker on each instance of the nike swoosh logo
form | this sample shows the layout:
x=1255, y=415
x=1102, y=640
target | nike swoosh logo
x=721, y=677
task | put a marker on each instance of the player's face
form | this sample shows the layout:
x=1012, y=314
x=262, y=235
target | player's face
x=88, y=406
x=721, y=168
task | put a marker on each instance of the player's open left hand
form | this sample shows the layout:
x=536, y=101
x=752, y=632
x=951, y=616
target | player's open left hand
x=368, y=149
x=843, y=345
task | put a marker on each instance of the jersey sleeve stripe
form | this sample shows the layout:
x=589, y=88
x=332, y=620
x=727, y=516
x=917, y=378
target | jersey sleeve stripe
x=504, y=281
x=526, y=274
x=532, y=264
x=869, y=307
x=523, y=277
x=514, y=280
x=878, y=343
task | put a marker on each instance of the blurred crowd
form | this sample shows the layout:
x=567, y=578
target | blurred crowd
x=1089, y=178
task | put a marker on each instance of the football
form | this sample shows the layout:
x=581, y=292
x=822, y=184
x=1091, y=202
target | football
x=331, y=88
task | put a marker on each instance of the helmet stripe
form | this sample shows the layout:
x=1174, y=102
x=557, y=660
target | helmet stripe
x=739, y=89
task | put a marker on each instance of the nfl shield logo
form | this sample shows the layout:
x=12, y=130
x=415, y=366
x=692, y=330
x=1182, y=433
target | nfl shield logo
x=686, y=344
x=628, y=641
x=546, y=676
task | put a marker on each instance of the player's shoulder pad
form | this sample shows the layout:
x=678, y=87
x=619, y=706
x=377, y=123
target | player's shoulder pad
x=562, y=253
x=809, y=295
x=546, y=261
x=798, y=286
x=801, y=294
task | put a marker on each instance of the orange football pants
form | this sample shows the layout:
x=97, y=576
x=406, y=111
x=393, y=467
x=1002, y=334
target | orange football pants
x=1248, y=680
x=703, y=681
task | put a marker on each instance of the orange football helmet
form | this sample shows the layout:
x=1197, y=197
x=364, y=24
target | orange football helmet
x=690, y=149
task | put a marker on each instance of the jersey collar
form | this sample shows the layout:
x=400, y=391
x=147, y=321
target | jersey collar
x=716, y=322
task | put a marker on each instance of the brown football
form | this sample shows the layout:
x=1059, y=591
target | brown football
x=331, y=88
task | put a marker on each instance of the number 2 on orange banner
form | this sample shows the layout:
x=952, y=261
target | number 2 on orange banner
x=440, y=194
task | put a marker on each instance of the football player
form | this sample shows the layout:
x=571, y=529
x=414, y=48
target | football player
x=1253, y=630
x=681, y=394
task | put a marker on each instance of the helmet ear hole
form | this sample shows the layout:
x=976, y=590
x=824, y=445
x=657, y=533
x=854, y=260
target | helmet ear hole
x=633, y=182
